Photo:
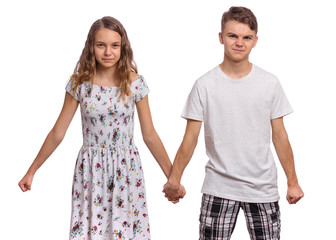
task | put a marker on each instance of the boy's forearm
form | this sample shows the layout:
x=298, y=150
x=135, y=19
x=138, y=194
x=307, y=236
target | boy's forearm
x=182, y=159
x=285, y=155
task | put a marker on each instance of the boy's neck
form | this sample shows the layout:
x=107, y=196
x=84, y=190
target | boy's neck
x=236, y=69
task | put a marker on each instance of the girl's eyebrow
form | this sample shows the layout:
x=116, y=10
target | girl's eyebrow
x=104, y=42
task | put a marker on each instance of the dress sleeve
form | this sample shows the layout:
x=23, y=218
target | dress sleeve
x=193, y=108
x=280, y=105
x=140, y=89
x=69, y=89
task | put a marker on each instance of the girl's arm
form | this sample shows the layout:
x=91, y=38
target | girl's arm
x=151, y=138
x=53, y=139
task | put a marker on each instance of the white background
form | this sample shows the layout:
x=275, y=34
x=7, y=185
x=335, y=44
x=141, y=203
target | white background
x=174, y=43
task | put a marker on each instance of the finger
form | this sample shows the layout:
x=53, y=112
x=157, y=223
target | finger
x=22, y=186
x=288, y=199
x=298, y=199
x=293, y=200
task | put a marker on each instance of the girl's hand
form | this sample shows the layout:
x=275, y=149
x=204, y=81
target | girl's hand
x=26, y=182
x=174, y=193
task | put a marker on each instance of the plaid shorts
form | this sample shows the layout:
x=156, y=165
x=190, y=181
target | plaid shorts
x=218, y=219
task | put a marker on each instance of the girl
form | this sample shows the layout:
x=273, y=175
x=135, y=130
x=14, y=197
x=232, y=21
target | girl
x=109, y=200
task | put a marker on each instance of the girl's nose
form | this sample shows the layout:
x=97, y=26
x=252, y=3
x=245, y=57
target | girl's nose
x=108, y=51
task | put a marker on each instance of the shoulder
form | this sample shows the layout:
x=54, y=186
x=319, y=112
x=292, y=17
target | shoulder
x=265, y=75
x=134, y=76
x=206, y=79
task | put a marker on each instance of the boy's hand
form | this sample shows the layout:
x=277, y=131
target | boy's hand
x=294, y=193
x=174, y=192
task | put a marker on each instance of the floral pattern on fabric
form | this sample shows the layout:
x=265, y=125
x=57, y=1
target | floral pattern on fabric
x=108, y=196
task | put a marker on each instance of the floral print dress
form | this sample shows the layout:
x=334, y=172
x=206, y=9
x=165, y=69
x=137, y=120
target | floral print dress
x=108, y=196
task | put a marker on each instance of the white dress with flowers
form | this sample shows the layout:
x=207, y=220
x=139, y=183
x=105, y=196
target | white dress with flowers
x=109, y=199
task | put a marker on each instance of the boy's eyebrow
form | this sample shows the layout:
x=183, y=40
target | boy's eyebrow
x=249, y=35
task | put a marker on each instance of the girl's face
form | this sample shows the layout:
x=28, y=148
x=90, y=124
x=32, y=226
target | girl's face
x=107, y=47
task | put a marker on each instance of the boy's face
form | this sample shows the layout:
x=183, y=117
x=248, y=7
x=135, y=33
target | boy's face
x=238, y=40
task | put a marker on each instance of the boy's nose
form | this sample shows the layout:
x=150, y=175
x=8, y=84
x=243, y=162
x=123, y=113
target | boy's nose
x=239, y=42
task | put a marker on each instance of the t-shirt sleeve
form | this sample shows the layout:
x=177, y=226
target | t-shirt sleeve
x=280, y=105
x=193, y=108
x=69, y=89
x=140, y=89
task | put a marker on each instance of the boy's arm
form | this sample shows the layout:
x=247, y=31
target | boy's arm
x=182, y=158
x=285, y=155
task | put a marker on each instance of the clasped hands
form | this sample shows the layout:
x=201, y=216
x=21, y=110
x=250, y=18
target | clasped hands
x=174, y=192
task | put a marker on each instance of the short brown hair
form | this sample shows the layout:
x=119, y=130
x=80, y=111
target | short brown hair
x=240, y=14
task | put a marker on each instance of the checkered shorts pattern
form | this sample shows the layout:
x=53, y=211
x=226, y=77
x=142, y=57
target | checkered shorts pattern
x=218, y=219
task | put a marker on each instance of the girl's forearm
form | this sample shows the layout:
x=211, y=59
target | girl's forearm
x=48, y=147
x=158, y=151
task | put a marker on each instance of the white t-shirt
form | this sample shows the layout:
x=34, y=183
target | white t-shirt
x=237, y=117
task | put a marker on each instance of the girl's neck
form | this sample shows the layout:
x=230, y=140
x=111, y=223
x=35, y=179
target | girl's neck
x=106, y=75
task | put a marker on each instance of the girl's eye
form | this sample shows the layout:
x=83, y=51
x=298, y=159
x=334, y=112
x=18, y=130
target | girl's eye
x=115, y=45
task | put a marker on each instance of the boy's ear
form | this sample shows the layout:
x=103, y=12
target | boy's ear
x=220, y=35
x=255, y=41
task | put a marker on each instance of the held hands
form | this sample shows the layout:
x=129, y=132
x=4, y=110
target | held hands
x=173, y=192
x=294, y=193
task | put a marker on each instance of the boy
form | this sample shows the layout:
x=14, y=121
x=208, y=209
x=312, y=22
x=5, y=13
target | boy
x=238, y=103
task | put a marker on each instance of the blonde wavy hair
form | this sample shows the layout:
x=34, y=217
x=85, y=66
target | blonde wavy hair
x=85, y=69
